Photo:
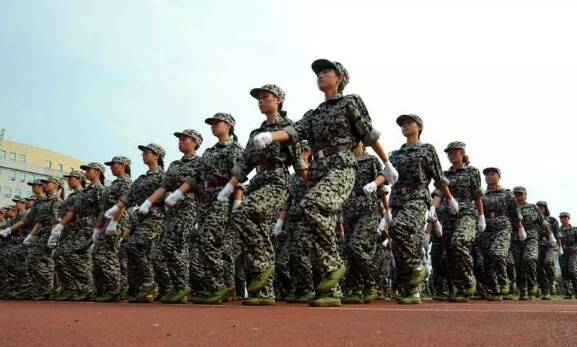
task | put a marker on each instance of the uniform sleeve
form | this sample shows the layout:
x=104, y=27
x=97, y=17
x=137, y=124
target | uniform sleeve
x=514, y=211
x=244, y=165
x=169, y=180
x=434, y=169
x=300, y=130
x=554, y=227
x=362, y=123
x=378, y=170
x=49, y=215
x=128, y=199
x=476, y=191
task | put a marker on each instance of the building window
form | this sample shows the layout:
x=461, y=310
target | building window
x=2, y=155
x=48, y=164
x=59, y=167
x=22, y=158
x=30, y=178
x=29, y=194
x=12, y=175
x=21, y=177
x=12, y=156
x=7, y=192
x=17, y=193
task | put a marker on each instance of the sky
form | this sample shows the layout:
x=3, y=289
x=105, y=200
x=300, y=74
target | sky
x=94, y=79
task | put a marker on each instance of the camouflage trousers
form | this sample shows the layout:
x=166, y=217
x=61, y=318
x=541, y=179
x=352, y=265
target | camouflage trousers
x=511, y=271
x=283, y=284
x=40, y=265
x=125, y=285
x=526, y=254
x=214, y=229
x=495, y=244
x=252, y=221
x=546, y=268
x=300, y=261
x=73, y=258
x=568, y=264
x=141, y=261
x=458, y=236
x=361, y=241
x=195, y=267
x=9, y=260
x=479, y=264
x=440, y=279
x=174, y=245
x=407, y=233
x=382, y=269
x=320, y=206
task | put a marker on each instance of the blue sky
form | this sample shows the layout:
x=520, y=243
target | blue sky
x=93, y=79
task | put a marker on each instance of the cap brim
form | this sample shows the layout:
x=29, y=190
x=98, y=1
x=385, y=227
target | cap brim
x=84, y=167
x=491, y=169
x=144, y=148
x=256, y=91
x=322, y=64
x=32, y=184
x=401, y=119
x=109, y=163
x=209, y=121
x=179, y=134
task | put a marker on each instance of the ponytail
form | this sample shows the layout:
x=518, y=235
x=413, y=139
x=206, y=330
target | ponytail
x=102, y=178
x=231, y=133
x=62, y=193
x=127, y=169
x=466, y=160
x=160, y=162
x=83, y=183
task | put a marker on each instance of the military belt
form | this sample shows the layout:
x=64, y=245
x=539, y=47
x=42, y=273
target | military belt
x=215, y=183
x=496, y=214
x=328, y=151
x=269, y=167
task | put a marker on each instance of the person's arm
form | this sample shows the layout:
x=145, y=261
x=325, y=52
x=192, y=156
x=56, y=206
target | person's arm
x=157, y=195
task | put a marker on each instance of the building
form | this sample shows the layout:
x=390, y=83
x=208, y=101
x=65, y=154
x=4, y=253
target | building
x=21, y=163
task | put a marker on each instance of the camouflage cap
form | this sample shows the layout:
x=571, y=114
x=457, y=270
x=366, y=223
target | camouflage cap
x=53, y=179
x=271, y=88
x=153, y=147
x=492, y=169
x=75, y=173
x=93, y=165
x=36, y=182
x=118, y=159
x=323, y=64
x=455, y=145
x=221, y=117
x=542, y=203
x=564, y=214
x=31, y=198
x=11, y=207
x=520, y=190
x=401, y=119
x=19, y=200
x=3, y=210
x=193, y=134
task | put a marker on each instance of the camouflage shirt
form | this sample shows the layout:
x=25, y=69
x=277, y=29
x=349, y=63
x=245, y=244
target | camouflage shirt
x=369, y=167
x=533, y=221
x=71, y=200
x=30, y=218
x=143, y=188
x=569, y=237
x=112, y=194
x=500, y=207
x=48, y=212
x=217, y=164
x=277, y=154
x=465, y=186
x=417, y=164
x=297, y=190
x=342, y=121
x=184, y=170
x=554, y=224
x=89, y=204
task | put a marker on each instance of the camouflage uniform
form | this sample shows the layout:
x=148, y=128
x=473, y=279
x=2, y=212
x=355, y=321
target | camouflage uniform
x=332, y=130
x=216, y=241
x=13, y=254
x=180, y=218
x=547, y=256
x=105, y=253
x=266, y=192
x=501, y=211
x=459, y=230
x=568, y=261
x=147, y=228
x=410, y=198
x=361, y=218
x=71, y=257
x=40, y=262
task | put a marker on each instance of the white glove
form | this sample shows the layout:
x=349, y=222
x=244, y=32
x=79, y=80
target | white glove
x=370, y=188
x=388, y=217
x=390, y=173
x=96, y=234
x=386, y=243
x=57, y=230
x=111, y=228
x=481, y=223
x=145, y=207
x=262, y=140
x=522, y=235
x=561, y=250
x=432, y=214
x=382, y=225
x=277, y=229
x=427, y=240
x=453, y=206
x=173, y=198
x=236, y=204
x=52, y=241
x=111, y=212
x=224, y=194
x=6, y=232
x=552, y=240
x=438, y=229
x=28, y=240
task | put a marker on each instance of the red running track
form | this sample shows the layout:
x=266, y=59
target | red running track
x=511, y=324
